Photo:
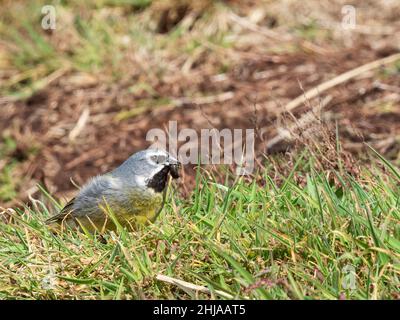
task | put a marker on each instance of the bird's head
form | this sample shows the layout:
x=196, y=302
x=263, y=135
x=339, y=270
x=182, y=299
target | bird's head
x=152, y=167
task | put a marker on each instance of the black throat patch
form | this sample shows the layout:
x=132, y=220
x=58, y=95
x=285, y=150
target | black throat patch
x=159, y=180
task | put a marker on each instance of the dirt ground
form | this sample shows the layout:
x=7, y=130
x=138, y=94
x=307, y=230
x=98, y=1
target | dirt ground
x=84, y=123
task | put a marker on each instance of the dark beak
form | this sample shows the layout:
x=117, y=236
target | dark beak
x=174, y=168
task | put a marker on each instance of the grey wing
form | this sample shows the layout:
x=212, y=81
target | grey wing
x=86, y=203
x=99, y=190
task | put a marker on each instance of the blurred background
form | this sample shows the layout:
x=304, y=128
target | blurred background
x=77, y=98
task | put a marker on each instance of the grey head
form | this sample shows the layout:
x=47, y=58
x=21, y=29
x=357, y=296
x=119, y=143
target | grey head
x=149, y=168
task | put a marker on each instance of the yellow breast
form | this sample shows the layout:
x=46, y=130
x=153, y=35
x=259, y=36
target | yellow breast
x=141, y=207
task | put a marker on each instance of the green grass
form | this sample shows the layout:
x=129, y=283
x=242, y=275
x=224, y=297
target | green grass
x=97, y=37
x=248, y=240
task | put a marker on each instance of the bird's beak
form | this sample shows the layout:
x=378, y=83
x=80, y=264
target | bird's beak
x=174, y=167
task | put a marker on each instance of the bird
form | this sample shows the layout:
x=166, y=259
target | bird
x=133, y=193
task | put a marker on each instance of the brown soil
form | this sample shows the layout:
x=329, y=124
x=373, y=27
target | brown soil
x=366, y=109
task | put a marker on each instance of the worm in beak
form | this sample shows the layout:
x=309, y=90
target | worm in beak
x=174, y=170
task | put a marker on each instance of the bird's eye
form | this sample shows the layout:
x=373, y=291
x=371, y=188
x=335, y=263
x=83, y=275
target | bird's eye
x=158, y=159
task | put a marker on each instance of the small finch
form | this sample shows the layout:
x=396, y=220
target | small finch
x=133, y=193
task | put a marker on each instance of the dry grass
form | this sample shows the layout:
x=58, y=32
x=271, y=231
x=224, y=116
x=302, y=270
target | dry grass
x=78, y=100
x=309, y=240
x=110, y=72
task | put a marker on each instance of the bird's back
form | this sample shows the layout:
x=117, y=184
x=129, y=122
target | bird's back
x=131, y=203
